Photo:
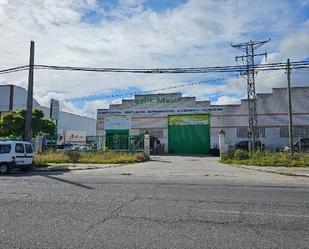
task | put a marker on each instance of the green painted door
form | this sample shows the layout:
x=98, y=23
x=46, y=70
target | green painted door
x=117, y=139
x=189, y=133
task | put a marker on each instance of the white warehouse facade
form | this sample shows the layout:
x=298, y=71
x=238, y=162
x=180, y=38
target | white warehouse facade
x=14, y=97
x=185, y=125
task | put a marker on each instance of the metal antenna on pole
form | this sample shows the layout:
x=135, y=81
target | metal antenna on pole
x=249, y=48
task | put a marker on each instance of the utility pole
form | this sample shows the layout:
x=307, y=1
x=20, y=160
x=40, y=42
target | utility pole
x=290, y=108
x=28, y=126
x=249, y=49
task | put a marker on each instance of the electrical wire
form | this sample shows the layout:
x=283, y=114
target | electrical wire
x=216, y=69
x=14, y=69
x=234, y=18
x=129, y=94
x=133, y=93
x=274, y=24
x=258, y=12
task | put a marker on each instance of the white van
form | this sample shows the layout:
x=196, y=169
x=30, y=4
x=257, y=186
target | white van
x=15, y=154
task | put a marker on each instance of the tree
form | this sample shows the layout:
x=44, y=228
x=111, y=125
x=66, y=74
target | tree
x=13, y=124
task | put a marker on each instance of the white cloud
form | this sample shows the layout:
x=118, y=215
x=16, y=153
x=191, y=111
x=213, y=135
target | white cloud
x=295, y=46
x=89, y=109
x=226, y=100
x=197, y=33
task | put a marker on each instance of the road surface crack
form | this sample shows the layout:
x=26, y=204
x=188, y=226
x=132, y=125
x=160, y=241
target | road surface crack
x=17, y=200
x=112, y=214
x=173, y=222
x=226, y=202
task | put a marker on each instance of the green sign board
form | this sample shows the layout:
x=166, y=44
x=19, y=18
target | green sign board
x=157, y=100
x=189, y=119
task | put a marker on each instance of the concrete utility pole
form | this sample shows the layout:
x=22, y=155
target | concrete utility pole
x=249, y=48
x=28, y=126
x=290, y=108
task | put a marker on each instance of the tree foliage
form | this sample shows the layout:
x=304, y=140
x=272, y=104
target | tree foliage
x=13, y=124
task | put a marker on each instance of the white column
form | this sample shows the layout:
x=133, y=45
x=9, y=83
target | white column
x=147, y=144
x=38, y=144
x=222, y=144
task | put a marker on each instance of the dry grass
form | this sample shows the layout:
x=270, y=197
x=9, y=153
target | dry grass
x=89, y=157
x=267, y=158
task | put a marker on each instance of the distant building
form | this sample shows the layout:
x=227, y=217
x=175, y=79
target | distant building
x=14, y=97
x=185, y=125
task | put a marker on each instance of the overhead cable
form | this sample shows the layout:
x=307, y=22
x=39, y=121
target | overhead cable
x=216, y=69
x=132, y=93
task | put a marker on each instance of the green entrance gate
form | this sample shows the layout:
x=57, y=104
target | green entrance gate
x=117, y=139
x=189, y=133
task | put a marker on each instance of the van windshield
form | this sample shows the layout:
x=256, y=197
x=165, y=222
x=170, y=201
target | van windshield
x=5, y=148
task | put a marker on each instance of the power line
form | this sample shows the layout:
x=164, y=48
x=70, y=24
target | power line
x=234, y=18
x=218, y=69
x=132, y=93
x=128, y=94
x=215, y=69
x=284, y=2
x=258, y=12
x=14, y=69
x=274, y=24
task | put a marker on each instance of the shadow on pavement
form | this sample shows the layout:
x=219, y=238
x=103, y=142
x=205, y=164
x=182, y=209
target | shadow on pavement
x=53, y=175
x=69, y=182
x=18, y=173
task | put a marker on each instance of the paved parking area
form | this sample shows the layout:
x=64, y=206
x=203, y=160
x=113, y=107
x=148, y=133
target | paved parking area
x=171, y=202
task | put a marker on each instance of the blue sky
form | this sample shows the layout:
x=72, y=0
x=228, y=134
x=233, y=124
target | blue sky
x=147, y=34
x=159, y=6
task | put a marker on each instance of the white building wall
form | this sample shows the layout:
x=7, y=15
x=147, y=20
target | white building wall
x=273, y=140
x=272, y=111
x=67, y=121
x=20, y=99
x=4, y=98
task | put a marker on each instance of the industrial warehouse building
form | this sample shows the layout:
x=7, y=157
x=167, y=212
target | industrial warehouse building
x=185, y=125
x=14, y=97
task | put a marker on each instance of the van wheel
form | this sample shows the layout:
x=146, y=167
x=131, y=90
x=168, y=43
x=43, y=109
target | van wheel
x=4, y=168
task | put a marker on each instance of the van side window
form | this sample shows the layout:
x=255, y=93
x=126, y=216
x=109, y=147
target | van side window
x=5, y=148
x=19, y=148
x=28, y=148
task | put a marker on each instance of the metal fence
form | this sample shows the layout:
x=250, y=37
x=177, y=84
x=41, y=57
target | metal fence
x=95, y=142
x=117, y=142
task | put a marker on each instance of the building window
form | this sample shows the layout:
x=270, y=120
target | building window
x=158, y=133
x=298, y=131
x=284, y=131
x=242, y=132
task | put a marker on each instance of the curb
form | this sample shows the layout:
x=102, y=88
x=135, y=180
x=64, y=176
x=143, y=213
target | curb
x=46, y=169
x=73, y=168
x=272, y=172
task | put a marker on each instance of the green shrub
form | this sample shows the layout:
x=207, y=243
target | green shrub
x=74, y=156
x=267, y=158
x=109, y=157
x=241, y=154
x=104, y=150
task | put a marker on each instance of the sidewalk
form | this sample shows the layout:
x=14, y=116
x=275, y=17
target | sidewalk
x=290, y=171
x=74, y=166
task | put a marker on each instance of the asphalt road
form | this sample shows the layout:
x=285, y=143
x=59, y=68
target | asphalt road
x=173, y=202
